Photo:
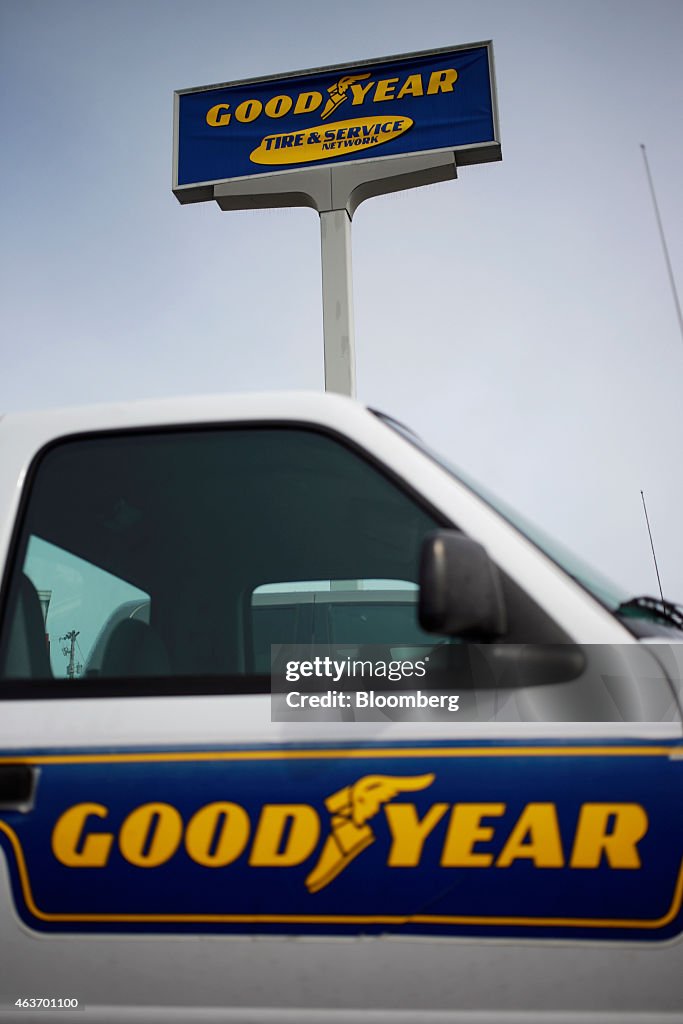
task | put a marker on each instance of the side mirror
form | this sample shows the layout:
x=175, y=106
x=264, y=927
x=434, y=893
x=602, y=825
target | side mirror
x=460, y=588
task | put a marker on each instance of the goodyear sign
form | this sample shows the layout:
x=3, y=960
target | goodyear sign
x=568, y=840
x=439, y=100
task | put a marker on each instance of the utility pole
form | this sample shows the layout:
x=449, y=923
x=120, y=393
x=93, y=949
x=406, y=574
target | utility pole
x=667, y=259
x=70, y=652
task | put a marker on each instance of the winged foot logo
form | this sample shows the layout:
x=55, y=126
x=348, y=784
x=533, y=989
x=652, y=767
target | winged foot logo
x=339, y=91
x=351, y=808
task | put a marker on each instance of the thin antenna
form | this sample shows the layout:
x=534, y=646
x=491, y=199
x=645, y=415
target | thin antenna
x=664, y=246
x=653, y=547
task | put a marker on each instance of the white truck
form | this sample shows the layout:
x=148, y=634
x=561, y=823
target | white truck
x=172, y=849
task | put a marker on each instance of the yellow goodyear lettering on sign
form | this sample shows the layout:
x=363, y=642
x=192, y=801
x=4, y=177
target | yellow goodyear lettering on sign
x=219, y=116
x=360, y=89
x=326, y=142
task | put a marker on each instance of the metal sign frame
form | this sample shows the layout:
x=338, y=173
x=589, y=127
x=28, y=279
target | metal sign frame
x=472, y=153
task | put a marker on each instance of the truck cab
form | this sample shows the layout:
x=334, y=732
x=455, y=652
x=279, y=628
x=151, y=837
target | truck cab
x=157, y=816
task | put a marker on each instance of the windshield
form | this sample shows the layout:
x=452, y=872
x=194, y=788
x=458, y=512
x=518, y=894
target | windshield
x=602, y=588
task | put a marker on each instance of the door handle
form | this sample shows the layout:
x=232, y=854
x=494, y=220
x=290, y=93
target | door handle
x=17, y=787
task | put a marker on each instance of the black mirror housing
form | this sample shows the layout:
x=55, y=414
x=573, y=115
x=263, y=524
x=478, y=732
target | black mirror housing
x=461, y=592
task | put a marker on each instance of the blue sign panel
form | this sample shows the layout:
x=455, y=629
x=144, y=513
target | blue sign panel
x=440, y=100
x=572, y=840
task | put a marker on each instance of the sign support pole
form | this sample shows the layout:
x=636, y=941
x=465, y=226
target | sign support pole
x=335, y=193
x=337, y=283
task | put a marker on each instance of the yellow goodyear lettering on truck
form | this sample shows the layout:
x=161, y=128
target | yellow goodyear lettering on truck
x=459, y=839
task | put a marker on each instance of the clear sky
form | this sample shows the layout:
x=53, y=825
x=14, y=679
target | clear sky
x=520, y=318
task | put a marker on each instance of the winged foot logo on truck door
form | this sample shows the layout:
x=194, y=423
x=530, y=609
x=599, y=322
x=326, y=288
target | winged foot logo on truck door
x=351, y=808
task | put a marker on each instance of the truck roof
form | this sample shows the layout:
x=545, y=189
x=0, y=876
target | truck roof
x=290, y=405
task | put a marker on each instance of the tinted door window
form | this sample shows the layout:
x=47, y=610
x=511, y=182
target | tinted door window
x=153, y=552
